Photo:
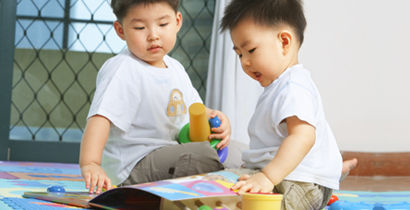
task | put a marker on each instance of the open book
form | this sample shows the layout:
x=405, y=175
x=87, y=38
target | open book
x=210, y=189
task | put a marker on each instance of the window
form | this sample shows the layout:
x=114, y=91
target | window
x=61, y=44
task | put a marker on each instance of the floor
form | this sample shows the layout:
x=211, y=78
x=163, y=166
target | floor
x=380, y=164
x=376, y=183
x=378, y=172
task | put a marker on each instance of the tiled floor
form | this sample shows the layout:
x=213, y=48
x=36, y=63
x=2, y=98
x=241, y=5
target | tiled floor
x=376, y=183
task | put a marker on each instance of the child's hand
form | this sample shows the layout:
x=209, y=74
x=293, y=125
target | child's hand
x=256, y=183
x=223, y=132
x=94, y=176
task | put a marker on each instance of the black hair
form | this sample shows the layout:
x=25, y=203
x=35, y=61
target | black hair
x=266, y=12
x=120, y=7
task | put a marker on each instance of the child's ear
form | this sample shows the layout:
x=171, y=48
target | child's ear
x=179, y=20
x=286, y=39
x=119, y=29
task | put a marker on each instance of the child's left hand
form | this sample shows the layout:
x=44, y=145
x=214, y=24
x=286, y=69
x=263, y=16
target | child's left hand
x=255, y=183
x=223, y=132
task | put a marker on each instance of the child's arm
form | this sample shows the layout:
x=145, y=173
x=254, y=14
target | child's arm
x=223, y=131
x=301, y=138
x=92, y=146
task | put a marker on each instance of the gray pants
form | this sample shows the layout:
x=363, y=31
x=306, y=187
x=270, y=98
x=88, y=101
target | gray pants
x=297, y=195
x=175, y=161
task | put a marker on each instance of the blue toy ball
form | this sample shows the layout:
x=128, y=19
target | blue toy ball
x=56, y=189
x=214, y=122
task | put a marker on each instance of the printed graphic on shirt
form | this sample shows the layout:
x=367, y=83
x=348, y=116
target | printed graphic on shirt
x=176, y=104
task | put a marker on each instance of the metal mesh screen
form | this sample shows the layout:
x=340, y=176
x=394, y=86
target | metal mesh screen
x=61, y=44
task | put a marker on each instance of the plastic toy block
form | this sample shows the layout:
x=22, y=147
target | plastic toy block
x=199, y=128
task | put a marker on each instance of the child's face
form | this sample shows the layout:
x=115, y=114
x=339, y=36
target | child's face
x=150, y=31
x=261, y=49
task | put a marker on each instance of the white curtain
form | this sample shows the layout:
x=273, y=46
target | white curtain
x=229, y=89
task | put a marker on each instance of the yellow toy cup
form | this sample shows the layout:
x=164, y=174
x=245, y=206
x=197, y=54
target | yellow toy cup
x=261, y=201
x=199, y=128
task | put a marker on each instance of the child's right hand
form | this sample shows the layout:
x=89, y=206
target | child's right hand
x=94, y=176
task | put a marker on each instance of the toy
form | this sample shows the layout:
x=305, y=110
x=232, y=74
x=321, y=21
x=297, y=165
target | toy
x=202, y=206
x=199, y=128
x=332, y=200
x=223, y=153
x=219, y=205
x=261, y=201
x=56, y=189
x=345, y=205
x=215, y=122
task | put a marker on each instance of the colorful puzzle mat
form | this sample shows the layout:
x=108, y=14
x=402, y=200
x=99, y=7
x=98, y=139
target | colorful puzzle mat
x=19, y=177
x=374, y=197
x=359, y=200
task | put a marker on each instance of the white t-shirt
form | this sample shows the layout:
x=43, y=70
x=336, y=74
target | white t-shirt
x=294, y=94
x=147, y=106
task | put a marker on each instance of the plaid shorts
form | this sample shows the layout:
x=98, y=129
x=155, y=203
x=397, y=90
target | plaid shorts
x=297, y=195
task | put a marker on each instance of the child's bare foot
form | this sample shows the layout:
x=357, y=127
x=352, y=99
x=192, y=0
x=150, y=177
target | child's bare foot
x=348, y=165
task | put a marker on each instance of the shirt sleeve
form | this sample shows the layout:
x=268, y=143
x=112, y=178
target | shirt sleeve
x=295, y=100
x=116, y=97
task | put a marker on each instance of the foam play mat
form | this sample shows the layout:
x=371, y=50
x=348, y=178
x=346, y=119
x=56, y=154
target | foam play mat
x=359, y=200
x=19, y=177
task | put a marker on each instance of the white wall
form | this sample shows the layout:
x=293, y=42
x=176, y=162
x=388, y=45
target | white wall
x=359, y=55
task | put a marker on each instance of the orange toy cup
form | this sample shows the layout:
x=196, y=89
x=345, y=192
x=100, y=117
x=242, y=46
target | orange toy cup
x=199, y=128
